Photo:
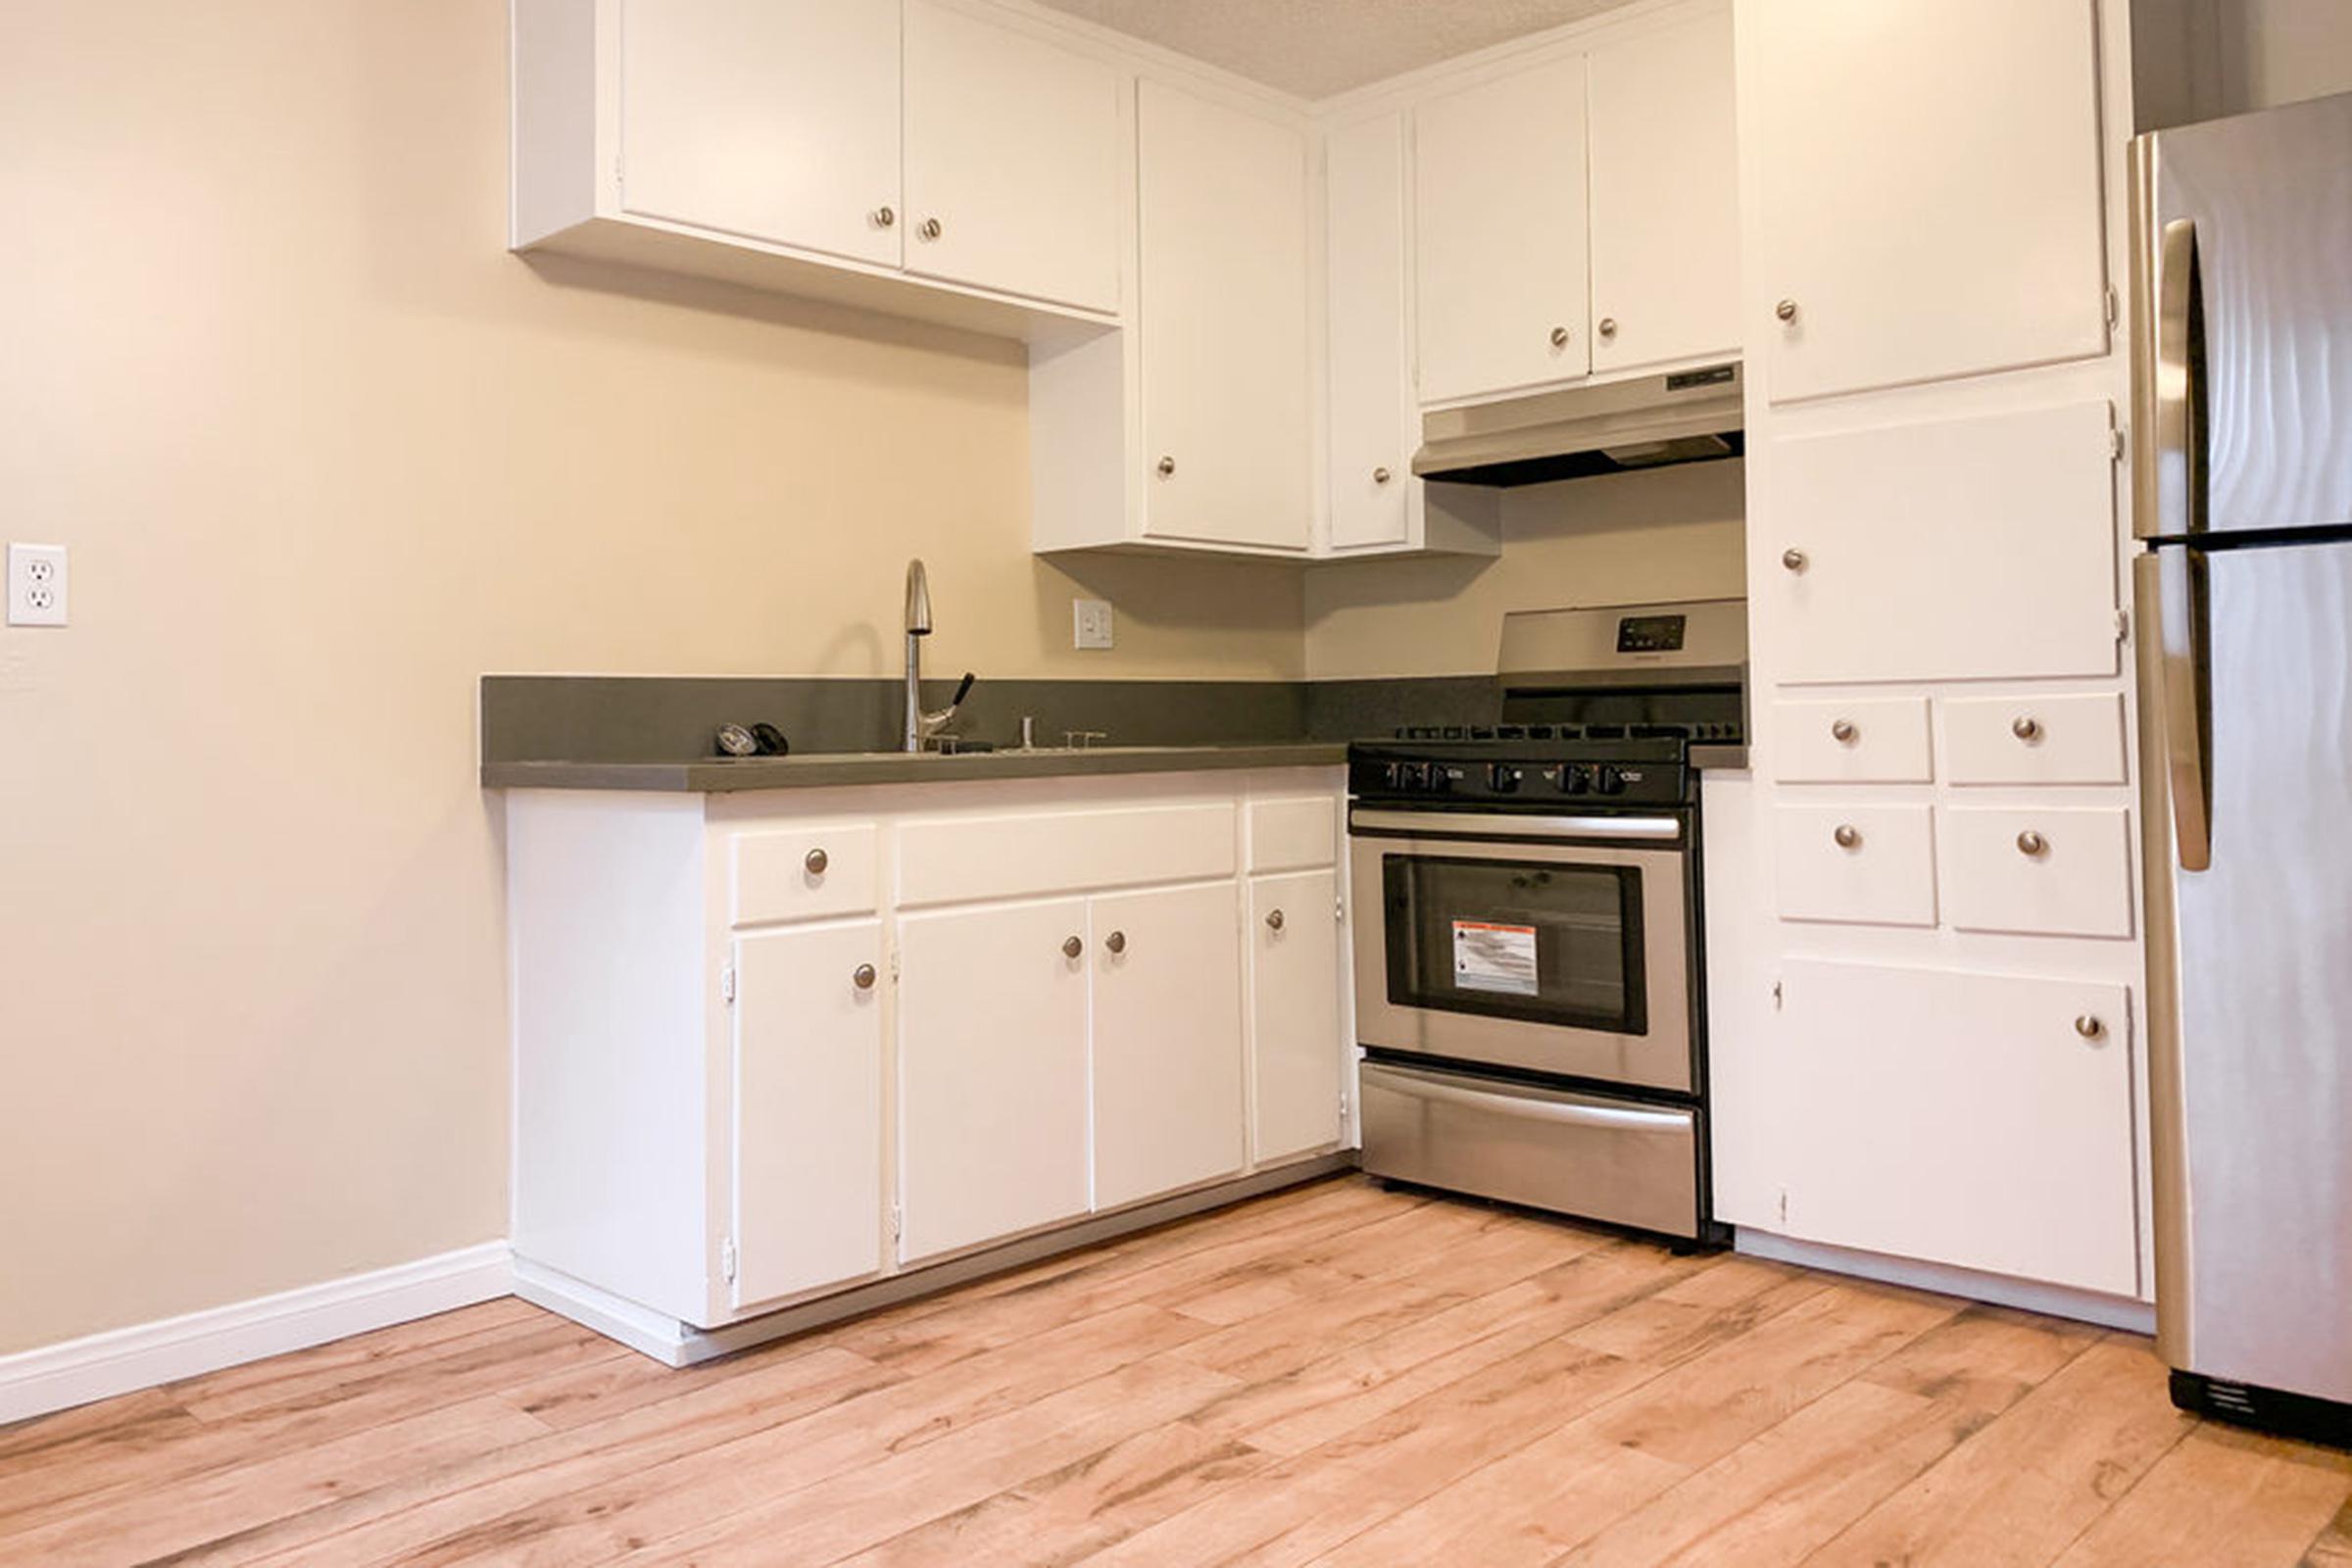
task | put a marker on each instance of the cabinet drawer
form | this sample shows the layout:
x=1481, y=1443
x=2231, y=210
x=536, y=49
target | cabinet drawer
x=955, y=861
x=2049, y=872
x=804, y=873
x=2036, y=740
x=1865, y=864
x=1880, y=741
x=1293, y=835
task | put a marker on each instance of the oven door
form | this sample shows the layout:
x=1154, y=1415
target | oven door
x=1549, y=943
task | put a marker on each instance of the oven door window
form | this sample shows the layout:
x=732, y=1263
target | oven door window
x=1546, y=942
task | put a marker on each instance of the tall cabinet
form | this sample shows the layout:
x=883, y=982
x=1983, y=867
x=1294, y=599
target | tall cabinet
x=1925, y=1038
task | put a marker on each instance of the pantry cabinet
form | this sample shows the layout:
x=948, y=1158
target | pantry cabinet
x=1374, y=424
x=809, y=1074
x=1665, y=196
x=1976, y=1119
x=1222, y=323
x=1928, y=190
x=1500, y=233
x=1167, y=1041
x=992, y=1072
x=1014, y=159
x=775, y=119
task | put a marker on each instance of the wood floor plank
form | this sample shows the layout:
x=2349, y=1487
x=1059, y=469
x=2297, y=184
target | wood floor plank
x=2332, y=1548
x=2016, y=1493
x=2220, y=1499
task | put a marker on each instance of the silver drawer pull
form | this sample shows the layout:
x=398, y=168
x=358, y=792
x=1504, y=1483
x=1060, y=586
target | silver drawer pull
x=1274, y=921
x=1849, y=836
x=1793, y=560
x=816, y=863
x=2090, y=1027
x=1116, y=942
x=1846, y=732
x=1615, y=1118
x=1071, y=947
x=2031, y=843
x=2026, y=729
x=863, y=977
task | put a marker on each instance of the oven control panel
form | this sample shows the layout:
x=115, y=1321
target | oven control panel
x=1416, y=774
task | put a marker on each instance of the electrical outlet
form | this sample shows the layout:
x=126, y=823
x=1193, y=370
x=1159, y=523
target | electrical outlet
x=36, y=585
x=1092, y=618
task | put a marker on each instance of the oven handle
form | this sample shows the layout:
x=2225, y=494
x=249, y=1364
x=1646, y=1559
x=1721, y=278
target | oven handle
x=1616, y=1118
x=1502, y=825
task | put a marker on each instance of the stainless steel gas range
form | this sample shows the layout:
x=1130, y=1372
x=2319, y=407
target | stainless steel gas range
x=1526, y=915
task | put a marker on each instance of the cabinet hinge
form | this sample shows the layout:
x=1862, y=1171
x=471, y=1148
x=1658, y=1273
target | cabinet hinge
x=2122, y=626
x=2115, y=445
x=1776, y=995
x=1343, y=1104
x=727, y=982
x=894, y=966
x=898, y=1224
x=1339, y=910
x=2115, y=305
x=1783, y=1205
x=726, y=1259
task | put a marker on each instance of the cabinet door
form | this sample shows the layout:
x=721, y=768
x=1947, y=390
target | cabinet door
x=1373, y=426
x=1167, y=1041
x=1928, y=189
x=1946, y=550
x=1973, y=1119
x=1665, y=197
x=1223, y=319
x=1295, y=1005
x=776, y=119
x=1013, y=151
x=991, y=1073
x=807, y=1109
x=1498, y=224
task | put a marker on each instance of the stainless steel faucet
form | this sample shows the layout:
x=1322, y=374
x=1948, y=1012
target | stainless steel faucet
x=921, y=726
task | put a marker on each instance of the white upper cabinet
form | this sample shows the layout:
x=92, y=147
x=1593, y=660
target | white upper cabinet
x=1223, y=319
x=1665, y=197
x=1499, y=226
x=1928, y=190
x=775, y=119
x=1015, y=149
x=1374, y=426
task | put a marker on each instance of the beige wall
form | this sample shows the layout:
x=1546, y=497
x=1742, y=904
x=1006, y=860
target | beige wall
x=324, y=454
x=2284, y=51
x=1671, y=533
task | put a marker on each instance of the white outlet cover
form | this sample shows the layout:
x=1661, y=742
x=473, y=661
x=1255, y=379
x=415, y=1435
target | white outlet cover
x=1091, y=624
x=36, y=585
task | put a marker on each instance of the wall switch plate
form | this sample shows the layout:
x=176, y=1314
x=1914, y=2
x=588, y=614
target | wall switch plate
x=1092, y=618
x=36, y=585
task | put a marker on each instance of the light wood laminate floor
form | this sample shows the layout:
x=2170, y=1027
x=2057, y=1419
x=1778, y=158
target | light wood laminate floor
x=1332, y=1375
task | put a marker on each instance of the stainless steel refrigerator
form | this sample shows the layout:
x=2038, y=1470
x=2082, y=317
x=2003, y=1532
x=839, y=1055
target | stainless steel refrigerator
x=2242, y=314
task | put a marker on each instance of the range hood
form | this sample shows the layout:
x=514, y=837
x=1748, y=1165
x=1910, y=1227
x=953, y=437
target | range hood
x=1647, y=423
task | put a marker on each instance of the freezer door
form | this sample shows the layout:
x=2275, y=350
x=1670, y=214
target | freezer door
x=2243, y=308
x=2251, y=1070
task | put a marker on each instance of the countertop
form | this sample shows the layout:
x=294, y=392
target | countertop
x=824, y=771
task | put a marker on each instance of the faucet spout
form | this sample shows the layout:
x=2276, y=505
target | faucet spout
x=918, y=599
x=918, y=626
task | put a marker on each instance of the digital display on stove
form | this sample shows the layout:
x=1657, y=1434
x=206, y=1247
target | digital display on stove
x=1650, y=634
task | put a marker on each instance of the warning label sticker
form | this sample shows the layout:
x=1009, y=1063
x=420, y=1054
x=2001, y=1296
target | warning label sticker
x=1488, y=957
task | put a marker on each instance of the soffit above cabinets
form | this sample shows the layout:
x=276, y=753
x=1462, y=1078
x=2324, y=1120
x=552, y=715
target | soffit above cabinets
x=1318, y=48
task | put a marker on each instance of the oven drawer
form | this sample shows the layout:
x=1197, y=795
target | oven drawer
x=1576, y=1153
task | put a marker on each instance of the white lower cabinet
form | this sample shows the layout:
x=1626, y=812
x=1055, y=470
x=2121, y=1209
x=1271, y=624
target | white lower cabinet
x=1979, y=1120
x=809, y=1071
x=1294, y=934
x=1167, y=1042
x=992, y=1072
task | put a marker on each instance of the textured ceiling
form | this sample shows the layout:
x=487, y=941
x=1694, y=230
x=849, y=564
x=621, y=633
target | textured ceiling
x=1315, y=48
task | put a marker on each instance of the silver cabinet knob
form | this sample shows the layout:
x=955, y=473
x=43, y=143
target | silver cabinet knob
x=1274, y=921
x=1793, y=560
x=1786, y=310
x=1849, y=836
x=1167, y=466
x=1071, y=947
x=816, y=863
x=1116, y=942
x=863, y=977
x=2026, y=729
x=2090, y=1027
x=1380, y=476
x=1559, y=337
x=2031, y=843
x=1608, y=327
x=930, y=228
x=1844, y=732
x=883, y=217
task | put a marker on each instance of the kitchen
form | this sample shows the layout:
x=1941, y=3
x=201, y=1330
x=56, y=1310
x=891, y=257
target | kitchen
x=441, y=1006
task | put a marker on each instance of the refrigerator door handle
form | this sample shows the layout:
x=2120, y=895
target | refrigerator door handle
x=2184, y=658
x=2172, y=497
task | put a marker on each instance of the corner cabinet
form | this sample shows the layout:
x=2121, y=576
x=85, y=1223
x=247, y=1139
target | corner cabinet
x=775, y=1047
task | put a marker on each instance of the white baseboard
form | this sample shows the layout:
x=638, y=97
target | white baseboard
x=121, y=1360
x=2002, y=1290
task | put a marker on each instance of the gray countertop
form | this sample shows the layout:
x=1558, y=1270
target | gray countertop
x=1719, y=758
x=822, y=771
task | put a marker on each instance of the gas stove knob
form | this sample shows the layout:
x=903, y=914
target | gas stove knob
x=1576, y=779
x=1609, y=781
x=1502, y=779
